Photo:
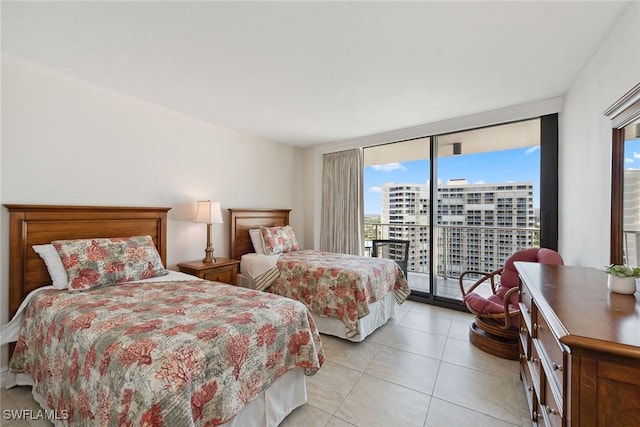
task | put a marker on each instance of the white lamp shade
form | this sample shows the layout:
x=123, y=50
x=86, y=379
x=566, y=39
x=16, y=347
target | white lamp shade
x=208, y=212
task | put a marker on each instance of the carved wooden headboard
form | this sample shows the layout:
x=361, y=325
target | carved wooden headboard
x=242, y=220
x=41, y=224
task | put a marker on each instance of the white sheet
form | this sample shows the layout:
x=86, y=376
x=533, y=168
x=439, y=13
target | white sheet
x=253, y=265
x=11, y=331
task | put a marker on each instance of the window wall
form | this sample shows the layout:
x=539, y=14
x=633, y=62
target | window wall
x=484, y=204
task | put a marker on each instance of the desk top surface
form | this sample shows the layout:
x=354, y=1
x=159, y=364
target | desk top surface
x=581, y=310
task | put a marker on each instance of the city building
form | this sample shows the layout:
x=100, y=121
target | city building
x=479, y=225
x=631, y=216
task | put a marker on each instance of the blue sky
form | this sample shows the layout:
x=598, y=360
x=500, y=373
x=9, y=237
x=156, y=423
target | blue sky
x=632, y=154
x=517, y=165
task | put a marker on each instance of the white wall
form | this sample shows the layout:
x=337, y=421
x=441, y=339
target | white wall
x=585, y=144
x=68, y=142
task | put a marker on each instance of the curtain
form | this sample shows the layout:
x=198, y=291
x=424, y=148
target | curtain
x=342, y=218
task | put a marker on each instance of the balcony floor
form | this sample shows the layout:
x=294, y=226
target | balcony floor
x=445, y=287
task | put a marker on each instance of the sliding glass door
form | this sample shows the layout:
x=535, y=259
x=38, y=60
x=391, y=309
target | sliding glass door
x=470, y=209
x=397, y=202
x=488, y=200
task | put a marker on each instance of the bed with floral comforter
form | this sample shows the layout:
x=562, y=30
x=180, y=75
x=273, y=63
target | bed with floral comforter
x=338, y=285
x=164, y=353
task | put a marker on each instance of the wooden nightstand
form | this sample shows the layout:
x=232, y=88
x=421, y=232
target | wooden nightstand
x=222, y=270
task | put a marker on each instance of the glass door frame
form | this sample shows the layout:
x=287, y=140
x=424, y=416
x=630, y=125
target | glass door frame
x=548, y=205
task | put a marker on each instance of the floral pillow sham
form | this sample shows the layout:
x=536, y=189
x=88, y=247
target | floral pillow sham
x=277, y=240
x=97, y=262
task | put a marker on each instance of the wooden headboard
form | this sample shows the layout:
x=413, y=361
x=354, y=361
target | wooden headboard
x=244, y=219
x=41, y=224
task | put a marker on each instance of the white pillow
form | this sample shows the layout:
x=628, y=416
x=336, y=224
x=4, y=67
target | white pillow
x=50, y=256
x=256, y=239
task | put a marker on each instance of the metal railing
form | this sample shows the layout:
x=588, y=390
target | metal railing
x=459, y=248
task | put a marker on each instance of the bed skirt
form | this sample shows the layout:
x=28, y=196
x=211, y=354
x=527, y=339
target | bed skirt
x=380, y=312
x=267, y=409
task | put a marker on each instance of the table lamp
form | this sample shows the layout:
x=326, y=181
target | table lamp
x=208, y=212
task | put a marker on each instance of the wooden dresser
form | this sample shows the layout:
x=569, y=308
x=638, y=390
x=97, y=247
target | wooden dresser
x=579, y=347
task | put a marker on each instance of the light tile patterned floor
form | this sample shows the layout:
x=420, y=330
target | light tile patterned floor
x=418, y=370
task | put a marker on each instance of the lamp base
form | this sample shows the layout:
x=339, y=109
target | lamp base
x=208, y=256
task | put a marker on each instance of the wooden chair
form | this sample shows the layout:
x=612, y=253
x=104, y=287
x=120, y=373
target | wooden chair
x=496, y=326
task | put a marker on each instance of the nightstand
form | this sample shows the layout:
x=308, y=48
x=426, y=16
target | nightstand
x=222, y=270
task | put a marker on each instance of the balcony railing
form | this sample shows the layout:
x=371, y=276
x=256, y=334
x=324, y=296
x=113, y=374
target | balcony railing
x=458, y=248
x=631, y=247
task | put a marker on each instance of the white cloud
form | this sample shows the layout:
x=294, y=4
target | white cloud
x=532, y=150
x=628, y=160
x=389, y=167
x=375, y=189
x=479, y=182
x=636, y=155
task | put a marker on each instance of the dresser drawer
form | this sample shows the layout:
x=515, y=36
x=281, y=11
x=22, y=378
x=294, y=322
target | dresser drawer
x=538, y=416
x=535, y=368
x=552, y=409
x=525, y=374
x=526, y=304
x=552, y=351
x=224, y=276
x=525, y=339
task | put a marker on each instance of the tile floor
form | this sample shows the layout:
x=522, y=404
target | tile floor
x=417, y=370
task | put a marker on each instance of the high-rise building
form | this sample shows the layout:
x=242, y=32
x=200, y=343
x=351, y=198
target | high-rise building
x=478, y=225
x=631, y=217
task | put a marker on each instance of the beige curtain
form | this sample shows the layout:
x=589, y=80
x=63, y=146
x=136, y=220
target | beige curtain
x=342, y=203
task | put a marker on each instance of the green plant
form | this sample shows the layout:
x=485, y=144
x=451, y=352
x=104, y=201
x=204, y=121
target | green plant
x=622, y=270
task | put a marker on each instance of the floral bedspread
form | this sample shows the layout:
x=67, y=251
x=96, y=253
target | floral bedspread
x=338, y=285
x=164, y=353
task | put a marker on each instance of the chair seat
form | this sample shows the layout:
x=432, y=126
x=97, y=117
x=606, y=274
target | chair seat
x=482, y=306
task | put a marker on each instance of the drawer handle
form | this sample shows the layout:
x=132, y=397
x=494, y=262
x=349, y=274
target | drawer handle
x=528, y=311
x=523, y=357
x=556, y=367
x=552, y=411
x=523, y=329
x=535, y=360
x=529, y=389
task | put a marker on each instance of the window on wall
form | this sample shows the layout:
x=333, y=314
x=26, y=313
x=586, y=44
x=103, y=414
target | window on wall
x=625, y=151
x=630, y=195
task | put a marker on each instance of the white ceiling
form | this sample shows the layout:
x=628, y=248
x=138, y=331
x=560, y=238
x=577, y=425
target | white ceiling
x=307, y=73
